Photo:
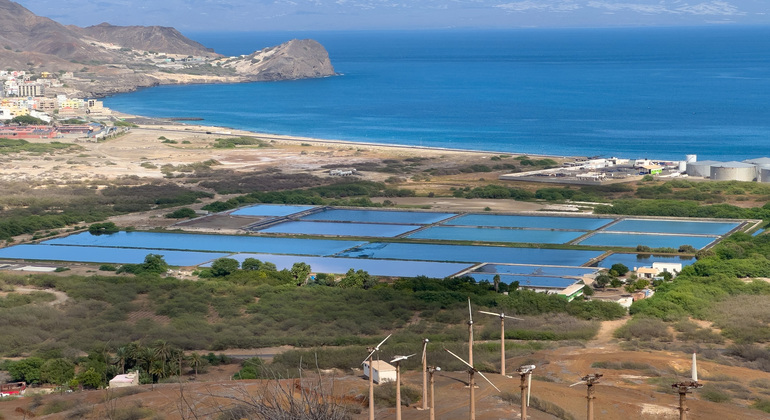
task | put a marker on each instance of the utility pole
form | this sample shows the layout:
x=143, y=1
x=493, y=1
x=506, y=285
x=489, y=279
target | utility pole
x=371, y=383
x=525, y=372
x=431, y=371
x=590, y=381
x=684, y=387
x=424, y=374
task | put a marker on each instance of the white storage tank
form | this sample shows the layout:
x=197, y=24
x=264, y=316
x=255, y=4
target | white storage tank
x=691, y=158
x=734, y=171
x=761, y=163
x=764, y=174
x=702, y=168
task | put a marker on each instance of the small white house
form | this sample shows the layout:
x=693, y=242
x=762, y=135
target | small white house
x=673, y=268
x=383, y=371
x=128, y=379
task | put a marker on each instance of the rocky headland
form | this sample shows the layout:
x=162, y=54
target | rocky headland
x=105, y=59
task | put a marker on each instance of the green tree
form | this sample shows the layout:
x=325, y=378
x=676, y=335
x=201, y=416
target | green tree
x=496, y=280
x=196, y=362
x=602, y=280
x=27, y=370
x=182, y=213
x=163, y=353
x=154, y=263
x=619, y=268
x=357, y=279
x=224, y=266
x=90, y=379
x=57, y=371
x=300, y=271
x=103, y=228
x=251, y=264
x=27, y=120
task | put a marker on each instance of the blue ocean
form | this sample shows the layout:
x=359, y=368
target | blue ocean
x=628, y=92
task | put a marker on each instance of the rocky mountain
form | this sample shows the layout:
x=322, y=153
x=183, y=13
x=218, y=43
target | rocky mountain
x=106, y=59
x=296, y=59
x=146, y=38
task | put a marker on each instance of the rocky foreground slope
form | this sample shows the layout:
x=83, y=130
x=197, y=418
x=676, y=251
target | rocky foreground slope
x=105, y=59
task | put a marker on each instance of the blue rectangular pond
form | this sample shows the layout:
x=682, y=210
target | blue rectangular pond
x=643, y=260
x=631, y=240
x=196, y=242
x=527, y=281
x=542, y=222
x=105, y=255
x=267, y=210
x=373, y=267
x=535, y=270
x=340, y=229
x=683, y=227
x=379, y=216
x=471, y=254
x=482, y=234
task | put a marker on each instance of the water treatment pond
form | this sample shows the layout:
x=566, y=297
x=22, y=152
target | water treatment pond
x=643, y=260
x=105, y=255
x=471, y=254
x=373, y=267
x=482, y=234
x=528, y=281
x=374, y=230
x=274, y=210
x=379, y=216
x=630, y=240
x=540, y=222
x=673, y=226
x=195, y=242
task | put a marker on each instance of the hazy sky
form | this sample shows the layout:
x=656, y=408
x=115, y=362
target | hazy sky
x=253, y=15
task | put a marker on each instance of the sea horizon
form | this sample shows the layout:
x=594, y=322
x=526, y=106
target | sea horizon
x=641, y=92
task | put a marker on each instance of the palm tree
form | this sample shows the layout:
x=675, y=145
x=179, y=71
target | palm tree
x=144, y=357
x=163, y=352
x=121, y=354
x=178, y=356
x=195, y=360
x=157, y=371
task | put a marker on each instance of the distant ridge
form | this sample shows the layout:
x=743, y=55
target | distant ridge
x=157, y=38
x=105, y=59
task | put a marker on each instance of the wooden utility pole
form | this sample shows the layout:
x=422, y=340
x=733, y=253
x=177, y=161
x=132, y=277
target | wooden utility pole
x=424, y=373
x=431, y=371
x=590, y=381
x=683, y=388
x=525, y=372
x=371, y=383
x=502, y=344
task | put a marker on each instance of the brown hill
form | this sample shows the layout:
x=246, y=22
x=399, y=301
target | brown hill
x=24, y=35
x=147, y=38
x=107, y=59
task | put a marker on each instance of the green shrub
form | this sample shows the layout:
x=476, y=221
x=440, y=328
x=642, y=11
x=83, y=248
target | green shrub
x=182, y=213
x=713, y=393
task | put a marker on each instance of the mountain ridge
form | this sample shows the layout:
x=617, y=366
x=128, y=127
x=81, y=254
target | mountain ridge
x=105, y=59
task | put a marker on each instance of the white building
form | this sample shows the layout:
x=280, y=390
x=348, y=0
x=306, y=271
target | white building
x=383, y=371
x=128, y=379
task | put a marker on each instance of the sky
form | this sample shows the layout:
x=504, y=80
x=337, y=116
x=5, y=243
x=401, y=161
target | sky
x=293, y=15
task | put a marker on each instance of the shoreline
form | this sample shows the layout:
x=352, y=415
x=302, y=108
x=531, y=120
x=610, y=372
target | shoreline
x=149, y=123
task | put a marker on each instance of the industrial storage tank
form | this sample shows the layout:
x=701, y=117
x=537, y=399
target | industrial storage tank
x=733, y=171
x=761, y=163
x=702, y=168
x=691, y=158
x=764, y=174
